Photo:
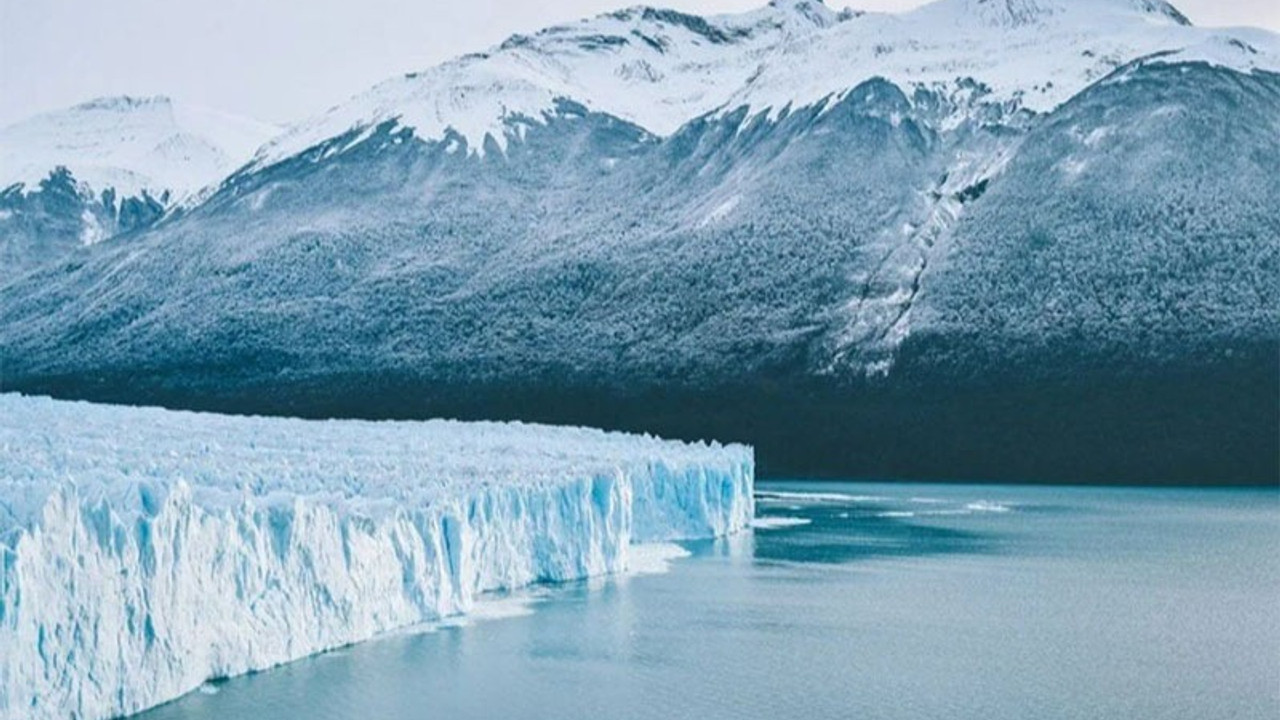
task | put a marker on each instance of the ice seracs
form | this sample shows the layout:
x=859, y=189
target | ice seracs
x=146, y=551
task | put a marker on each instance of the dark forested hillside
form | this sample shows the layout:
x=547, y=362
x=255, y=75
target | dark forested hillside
x=861, y=289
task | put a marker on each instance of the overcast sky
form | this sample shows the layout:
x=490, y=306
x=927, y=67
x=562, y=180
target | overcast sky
x=282, y=60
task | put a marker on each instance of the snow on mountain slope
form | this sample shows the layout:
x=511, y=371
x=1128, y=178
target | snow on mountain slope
x=145, y=551
x=131, y=145
x=1032, y=54
x=656, y=68
x=81, y=175
x=660, y=69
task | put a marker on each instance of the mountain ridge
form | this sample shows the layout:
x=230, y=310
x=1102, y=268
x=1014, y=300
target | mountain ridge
x=107, y=166
x=767, y=62
x=120, y=142
x=907, y=279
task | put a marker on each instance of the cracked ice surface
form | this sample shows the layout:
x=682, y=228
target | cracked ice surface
x=144, y=551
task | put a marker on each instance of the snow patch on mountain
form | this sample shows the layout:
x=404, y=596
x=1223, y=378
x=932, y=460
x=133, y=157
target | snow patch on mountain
x=144, y=551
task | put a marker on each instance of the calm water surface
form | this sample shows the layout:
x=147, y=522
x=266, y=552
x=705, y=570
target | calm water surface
x=893, y=601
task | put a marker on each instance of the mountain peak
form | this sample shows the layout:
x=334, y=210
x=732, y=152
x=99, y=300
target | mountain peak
x=130, y=144
x=659, y=68
x=1160, y=7
x=1014, y=12
x=814, y=11
x=124, y=103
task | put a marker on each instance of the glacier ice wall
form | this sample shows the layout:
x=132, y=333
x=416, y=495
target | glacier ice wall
x=144, y=551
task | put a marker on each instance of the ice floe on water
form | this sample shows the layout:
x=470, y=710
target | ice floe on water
x=969, y=508
x=987, y=506
x=777, y=523
x=654, y=558
x=520, y=604
x=778, y=496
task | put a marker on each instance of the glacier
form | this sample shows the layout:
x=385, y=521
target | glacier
x=144, y=551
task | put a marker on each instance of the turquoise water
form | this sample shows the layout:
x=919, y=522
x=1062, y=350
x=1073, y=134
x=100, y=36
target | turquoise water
x=893, y=601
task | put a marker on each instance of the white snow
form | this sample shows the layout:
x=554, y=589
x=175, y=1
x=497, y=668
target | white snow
x=654, y=558
x=661, y=70
x=646, y=66
x=1243, y=49
x=987, y=506
x=722, y=210
x=1032, y=54
x=90, y=230
x=145, y=551
x=131, y=145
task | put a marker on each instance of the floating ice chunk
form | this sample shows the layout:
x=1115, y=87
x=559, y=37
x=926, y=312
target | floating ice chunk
x=778, y=523
x=502, y=607
x=814, y=497
x=654, y=558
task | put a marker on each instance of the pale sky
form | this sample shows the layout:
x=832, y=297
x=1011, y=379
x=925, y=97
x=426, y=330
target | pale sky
x=283, y=60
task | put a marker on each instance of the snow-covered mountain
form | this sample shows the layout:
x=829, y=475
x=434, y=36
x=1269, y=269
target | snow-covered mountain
x=659, y=69
x=82, y=174
x=131, y=145
x=655, y=68
x=1013, y=238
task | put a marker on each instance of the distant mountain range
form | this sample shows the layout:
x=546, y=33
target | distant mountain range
x=985, y=239
x=81, y=175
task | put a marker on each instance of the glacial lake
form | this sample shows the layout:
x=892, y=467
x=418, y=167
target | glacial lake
x=862, y=600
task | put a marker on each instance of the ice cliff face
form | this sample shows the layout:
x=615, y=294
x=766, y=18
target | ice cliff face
x=146, y=551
